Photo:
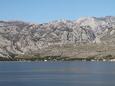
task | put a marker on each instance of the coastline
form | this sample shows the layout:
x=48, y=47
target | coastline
x=87, y=52
x=57, y=58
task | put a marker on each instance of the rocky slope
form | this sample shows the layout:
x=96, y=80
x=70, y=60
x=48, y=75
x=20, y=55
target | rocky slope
x=57, y=38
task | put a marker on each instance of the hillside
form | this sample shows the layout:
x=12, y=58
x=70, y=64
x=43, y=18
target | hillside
x=86, y=37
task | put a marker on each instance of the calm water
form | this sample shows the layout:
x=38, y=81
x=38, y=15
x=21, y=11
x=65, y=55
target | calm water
x=57, y=73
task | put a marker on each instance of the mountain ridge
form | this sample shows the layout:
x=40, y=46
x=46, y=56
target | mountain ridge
x=21, y=38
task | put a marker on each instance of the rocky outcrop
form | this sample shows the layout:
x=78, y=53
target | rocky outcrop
x=20, y=38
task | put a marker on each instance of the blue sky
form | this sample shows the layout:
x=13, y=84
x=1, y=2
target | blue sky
x=48, y=10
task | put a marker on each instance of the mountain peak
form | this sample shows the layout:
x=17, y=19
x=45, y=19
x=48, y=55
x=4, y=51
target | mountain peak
x=24, y=38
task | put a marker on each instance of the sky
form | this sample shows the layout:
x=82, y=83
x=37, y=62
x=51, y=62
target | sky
x=50, y=10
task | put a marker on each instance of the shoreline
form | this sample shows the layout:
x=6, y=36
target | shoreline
x=57, y=58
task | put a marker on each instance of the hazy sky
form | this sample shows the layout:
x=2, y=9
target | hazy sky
x=48, y=10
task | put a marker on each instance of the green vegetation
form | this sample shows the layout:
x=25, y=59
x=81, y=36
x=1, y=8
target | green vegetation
x=92, y=52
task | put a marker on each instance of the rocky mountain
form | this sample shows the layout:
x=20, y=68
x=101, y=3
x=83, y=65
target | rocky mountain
x=20, y=38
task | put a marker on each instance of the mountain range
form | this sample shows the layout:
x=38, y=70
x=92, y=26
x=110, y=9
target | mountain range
x=81, y=38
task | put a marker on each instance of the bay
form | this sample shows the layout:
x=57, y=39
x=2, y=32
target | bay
x=60, y=73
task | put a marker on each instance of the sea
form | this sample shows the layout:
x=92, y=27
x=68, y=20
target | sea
x=57, y=73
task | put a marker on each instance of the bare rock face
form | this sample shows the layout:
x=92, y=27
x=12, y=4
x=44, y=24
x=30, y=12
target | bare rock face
x=23, y=38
